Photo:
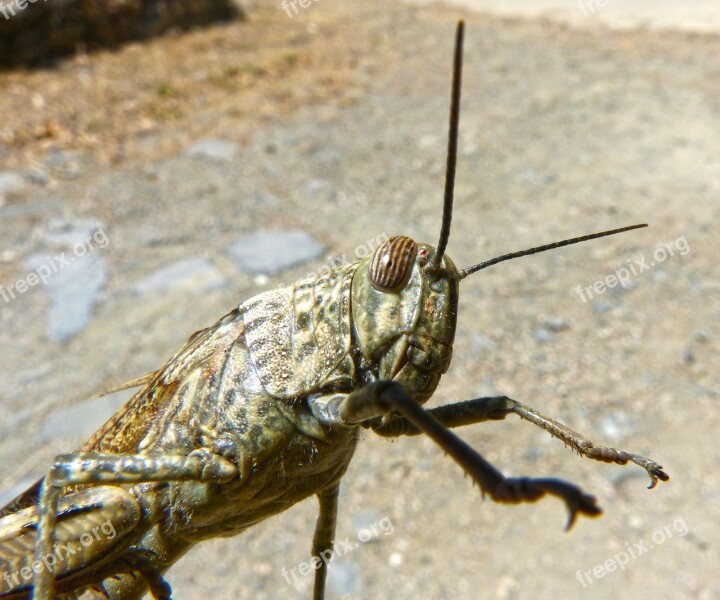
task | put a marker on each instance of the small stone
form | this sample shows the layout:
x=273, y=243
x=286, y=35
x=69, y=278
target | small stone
x=195, y=273
x=616, y=425
x=543, y=335
x=67, y=232
x=213, y=149
x=27, y=208
x=313, y=186
x=701, y=337
x=556, y=324
x=73, y=289
x=479, y=341
x=11, y=184
x=601, y=306
x=367, y=525
x=37, y=176
x=428, y=142
x=73, y=277
x=508, y=588
x=396, y=559
x=344, y=578
x=534, y=177
x=263, y=198
x=64, y=164
x=266, y=252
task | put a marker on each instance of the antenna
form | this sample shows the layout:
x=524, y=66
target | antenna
x=436, y=259
x=489, y=263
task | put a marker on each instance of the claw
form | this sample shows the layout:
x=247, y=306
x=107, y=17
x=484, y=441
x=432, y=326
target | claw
x=529, y=490
x=585, y=504
x=656, y=473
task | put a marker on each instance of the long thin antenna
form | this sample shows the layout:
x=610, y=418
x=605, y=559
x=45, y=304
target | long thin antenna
x=489, y=263
x=452, y=148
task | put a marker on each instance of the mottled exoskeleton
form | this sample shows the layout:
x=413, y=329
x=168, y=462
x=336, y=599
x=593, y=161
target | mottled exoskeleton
x=262, y=410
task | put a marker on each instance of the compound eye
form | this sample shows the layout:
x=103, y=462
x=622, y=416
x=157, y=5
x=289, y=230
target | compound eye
x=392, y=263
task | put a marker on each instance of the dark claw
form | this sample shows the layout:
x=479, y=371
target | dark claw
x=577, y=501
x=585, y=504
x=655, y=474
x=529, y=490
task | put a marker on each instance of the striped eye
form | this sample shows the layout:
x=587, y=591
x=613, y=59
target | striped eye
x=392, y=263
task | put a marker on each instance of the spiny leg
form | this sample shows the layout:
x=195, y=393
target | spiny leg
x=386, y=396
x=586, y=447
x=95, y=467
x=498, y=407
x=324, y=537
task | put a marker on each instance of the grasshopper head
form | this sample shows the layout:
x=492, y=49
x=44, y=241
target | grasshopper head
x=405, y=296
x=404, y=313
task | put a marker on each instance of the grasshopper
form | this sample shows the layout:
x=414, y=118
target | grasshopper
x=262, y=410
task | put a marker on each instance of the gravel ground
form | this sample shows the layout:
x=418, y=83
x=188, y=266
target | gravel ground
x=340, y=134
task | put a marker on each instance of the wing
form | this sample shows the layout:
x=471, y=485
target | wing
x=130, y=424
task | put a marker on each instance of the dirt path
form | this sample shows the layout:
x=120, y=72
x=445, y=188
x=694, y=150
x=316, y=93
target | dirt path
x=334, y=123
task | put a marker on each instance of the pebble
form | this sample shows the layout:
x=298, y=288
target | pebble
x=396, y=559
x=64, y=164
x=213, y=149
x=266, y=252
x=27, y=208
x=601, y=306
x=11, y=184
x=313, y=186
x=367, y=525
x=534, y=177
x=37, y=176
x=64, y=232
x=344, y=578
x=73, y=290
x=75, y=276
x=556, y=324
x=195, y=273
x=263, y=198
x=479, y=341
x=542, y=335
x=616, y=426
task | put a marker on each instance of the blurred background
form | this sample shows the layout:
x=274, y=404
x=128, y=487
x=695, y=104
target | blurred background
x=162, y=162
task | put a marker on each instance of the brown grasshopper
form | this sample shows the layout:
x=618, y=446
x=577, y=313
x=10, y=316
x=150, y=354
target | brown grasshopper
x=262, y=410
